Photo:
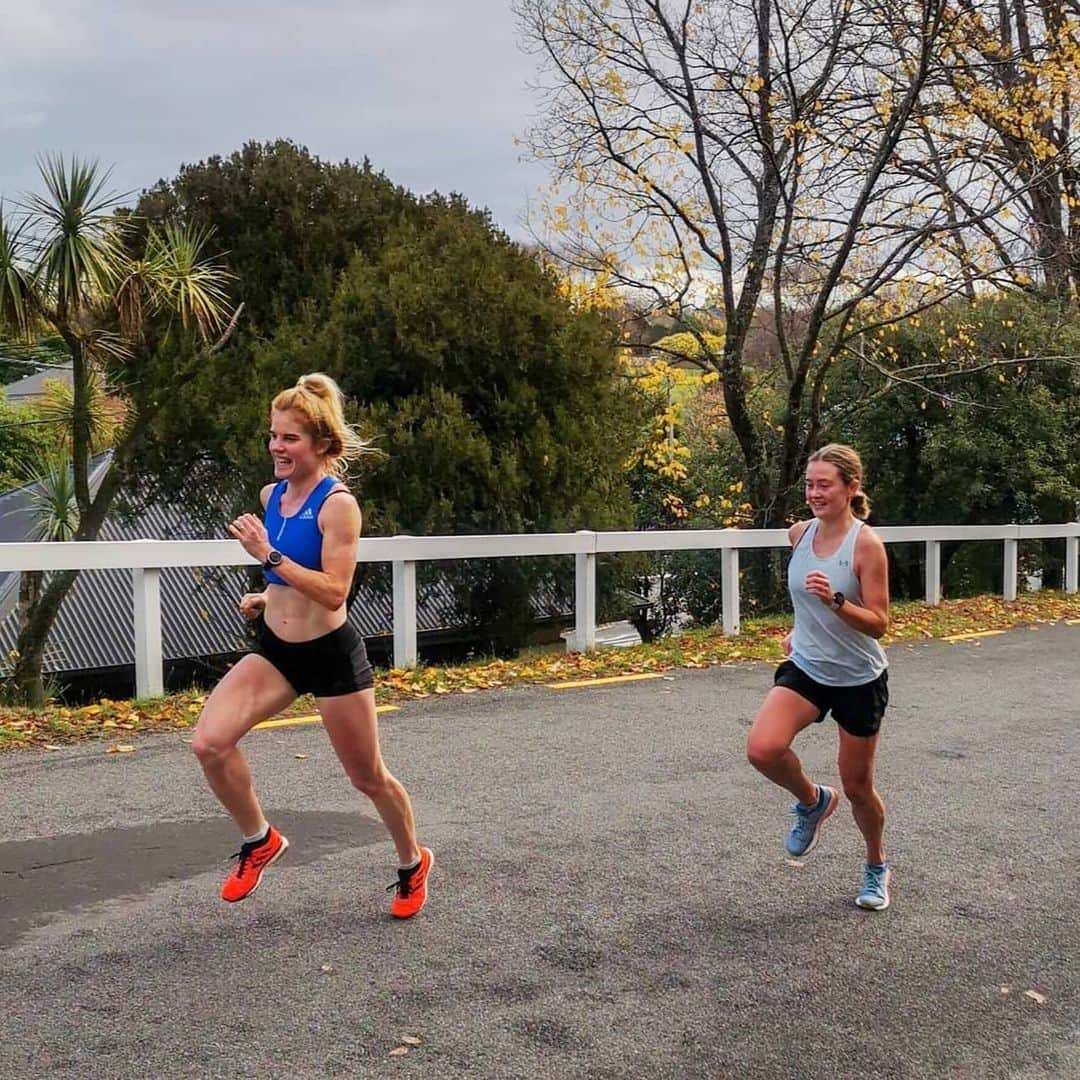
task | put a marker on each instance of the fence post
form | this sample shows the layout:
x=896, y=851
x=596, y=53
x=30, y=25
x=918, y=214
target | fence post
x=149, y=679
x=1012, y=550
x=584, y=598
x=405, y=651
x=729, y=589
x=933, y=571
x=1072, y=564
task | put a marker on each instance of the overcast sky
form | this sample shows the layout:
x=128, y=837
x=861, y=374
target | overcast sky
x=433, y=91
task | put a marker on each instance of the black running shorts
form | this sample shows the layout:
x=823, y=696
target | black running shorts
x=857, y=709
x=327, y=666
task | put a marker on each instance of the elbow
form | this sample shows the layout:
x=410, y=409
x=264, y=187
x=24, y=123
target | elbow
x=335, y=599
x=882, y=627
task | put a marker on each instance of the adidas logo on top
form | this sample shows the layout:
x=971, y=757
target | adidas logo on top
x=307, y=515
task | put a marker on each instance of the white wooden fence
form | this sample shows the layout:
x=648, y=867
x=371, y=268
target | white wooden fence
x=146, y=558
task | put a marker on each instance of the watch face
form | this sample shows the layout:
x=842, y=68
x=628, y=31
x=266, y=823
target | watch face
x=274, y=558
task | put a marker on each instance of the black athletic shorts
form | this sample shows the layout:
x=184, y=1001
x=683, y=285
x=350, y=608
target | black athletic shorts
x=857, y=709
x=327, y=666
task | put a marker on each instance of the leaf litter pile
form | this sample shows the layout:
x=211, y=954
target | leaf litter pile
x=116, y=722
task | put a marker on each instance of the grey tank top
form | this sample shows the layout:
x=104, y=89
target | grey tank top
x=823, y=645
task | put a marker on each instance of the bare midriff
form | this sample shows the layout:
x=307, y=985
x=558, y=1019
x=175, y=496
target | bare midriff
x=294, y=617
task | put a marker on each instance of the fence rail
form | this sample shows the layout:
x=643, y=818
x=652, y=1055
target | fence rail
x=146, y=558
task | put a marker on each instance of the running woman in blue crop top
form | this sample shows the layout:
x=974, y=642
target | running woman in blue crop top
x=307, y=545
x=839, y=583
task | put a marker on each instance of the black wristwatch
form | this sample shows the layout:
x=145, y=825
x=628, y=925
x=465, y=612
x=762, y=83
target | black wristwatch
x=837, y=601
x=273, y=559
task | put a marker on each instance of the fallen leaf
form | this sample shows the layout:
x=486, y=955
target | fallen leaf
x=411, y=1040
x=1004, y=991
x=399, y=1051
x=1039, y=999
x=327, y=969
x=50, y=746
x=121, y=748
x=794, y=862
x=300, y=757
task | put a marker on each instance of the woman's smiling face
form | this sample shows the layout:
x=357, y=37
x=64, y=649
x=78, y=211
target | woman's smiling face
x=295, y=451
x=826, y=493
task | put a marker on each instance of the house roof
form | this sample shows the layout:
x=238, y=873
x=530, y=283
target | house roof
x=33, y=386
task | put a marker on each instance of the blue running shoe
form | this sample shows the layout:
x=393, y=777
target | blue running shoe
x=875, y=888
x=804, y=833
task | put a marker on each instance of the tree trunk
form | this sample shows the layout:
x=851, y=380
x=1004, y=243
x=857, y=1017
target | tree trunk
x=38, y=618
x=34, y=634
x=31, y=582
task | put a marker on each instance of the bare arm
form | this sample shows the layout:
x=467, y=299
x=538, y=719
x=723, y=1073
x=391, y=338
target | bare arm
x=794, y=536
x=796, y=531
x=872, y=570
x=340, y=522
x=252, y=604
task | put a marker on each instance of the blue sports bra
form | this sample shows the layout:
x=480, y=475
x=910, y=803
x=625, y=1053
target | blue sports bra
x=297, y=535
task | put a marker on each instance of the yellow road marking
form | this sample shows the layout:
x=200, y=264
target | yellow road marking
x=600, y=682
x=974, y=634
x=291, y=721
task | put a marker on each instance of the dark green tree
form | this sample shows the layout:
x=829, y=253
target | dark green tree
x=497, y=404
x=499, y=407
x=997, y=445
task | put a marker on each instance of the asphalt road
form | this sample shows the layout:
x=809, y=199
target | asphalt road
x=610, y=896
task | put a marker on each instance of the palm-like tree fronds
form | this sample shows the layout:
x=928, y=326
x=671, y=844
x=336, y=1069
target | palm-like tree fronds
x=107, y=412
x=81, y=253
x=193, y=286
x=51, y=501
x=15, y=296
x=138, y=294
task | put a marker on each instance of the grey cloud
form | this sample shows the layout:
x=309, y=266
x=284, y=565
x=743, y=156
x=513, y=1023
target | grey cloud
x=433, y=92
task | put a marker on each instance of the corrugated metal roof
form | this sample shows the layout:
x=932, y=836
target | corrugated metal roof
x=94, y=628
x=32, y=386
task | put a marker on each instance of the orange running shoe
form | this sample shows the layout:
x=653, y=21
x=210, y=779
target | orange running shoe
x=251, y=861
x=411, y=887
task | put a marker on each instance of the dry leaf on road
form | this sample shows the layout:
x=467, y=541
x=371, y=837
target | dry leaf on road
x=300, y=757
x=412, y=1040
x=1039, y=999
x=399, y=1051
x=121, y=748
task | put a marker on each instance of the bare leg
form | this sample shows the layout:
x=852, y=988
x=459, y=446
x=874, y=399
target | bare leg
x=251, y=691
x=856, y=762
x=353, y=727
x=781, y=717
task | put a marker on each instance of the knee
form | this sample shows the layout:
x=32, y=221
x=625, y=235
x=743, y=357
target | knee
x=859, y=789
x=371, y=781
x=763, y=753
x=208, y=747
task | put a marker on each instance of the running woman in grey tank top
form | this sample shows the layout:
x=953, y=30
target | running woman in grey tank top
x=838, y=579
